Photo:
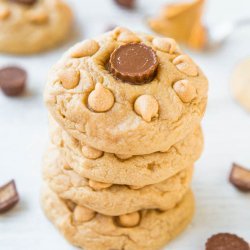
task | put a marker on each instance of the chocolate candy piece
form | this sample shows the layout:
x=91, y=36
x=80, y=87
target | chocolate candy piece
x=240, y=177
x=226, y=241
x=135, y=63
x=8, y=196
x=28, y=2
x=128, y=4
x=12, y=80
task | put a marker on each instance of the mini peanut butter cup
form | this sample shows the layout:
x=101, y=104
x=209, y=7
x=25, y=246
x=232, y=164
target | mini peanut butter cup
x=135, y=63
x=128, y=4
x=8, y=196
x=226, y=241
x=12, y=80
x=240, y=177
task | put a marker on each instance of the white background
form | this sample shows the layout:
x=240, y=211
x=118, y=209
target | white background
x=23, y=133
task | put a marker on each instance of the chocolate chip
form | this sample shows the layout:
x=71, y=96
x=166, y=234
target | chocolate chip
x=12, y=80
x=135, y=63
x=28, y=2
x=240, y=177
x=226, y=241
x=8, y=196
x=128, y=4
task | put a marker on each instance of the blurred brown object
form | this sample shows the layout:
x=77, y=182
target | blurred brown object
x=128, y=4
x=13, y=80
x=8, y=196
x=182, y=21
x=240, y=177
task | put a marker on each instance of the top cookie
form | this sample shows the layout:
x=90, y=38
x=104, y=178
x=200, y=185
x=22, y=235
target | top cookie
x=127, y=93
x=29, y=26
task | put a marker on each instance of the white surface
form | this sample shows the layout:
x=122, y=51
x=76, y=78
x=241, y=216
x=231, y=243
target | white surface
x=23, y=135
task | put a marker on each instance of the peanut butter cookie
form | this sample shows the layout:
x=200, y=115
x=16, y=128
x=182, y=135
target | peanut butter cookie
x=30, y=26
x=127, y=93
x=111, y=199
x=143, y=230
x=140, y=170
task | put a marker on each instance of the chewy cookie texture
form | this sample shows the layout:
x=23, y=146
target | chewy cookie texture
x=124, y=118
x=30, y=26
x=126, y=169
x=101, y=110
x=145, y=230
x=112, y=199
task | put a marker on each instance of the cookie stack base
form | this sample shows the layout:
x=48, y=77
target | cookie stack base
x=154, y=231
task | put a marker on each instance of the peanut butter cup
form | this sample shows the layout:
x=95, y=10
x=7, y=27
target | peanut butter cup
x=240, y=177
x=8, y=196
x=135, y=63
x=12, y=80
x=226, y=241
x=128, y=4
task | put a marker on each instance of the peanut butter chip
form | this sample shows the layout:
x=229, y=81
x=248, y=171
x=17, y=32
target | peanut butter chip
x=67, y=167
x=185, y=90
x=37, y=16
x=4, y=12
x=83, y=214
x=147, y=107
x=69, y=78
x=129, y=220
x=91, y=153
x=96, y=185
x=128, y=37
x=166, y=45
x=118, y=30
x=101, y=99
x=86, y=48
x=185, y=65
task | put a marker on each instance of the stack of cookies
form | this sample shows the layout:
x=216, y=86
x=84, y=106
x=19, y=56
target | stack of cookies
x=125, y=112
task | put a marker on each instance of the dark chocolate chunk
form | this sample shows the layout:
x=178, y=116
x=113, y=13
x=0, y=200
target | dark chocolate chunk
x=128, y=4
x=8, y=196
x=226, y=241
x=135, y=63
x=240, y=177
x=27, y=2
x=12, y=80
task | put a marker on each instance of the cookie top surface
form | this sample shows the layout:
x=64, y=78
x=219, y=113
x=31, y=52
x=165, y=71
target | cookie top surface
x=26, y=25
x=108, y=112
